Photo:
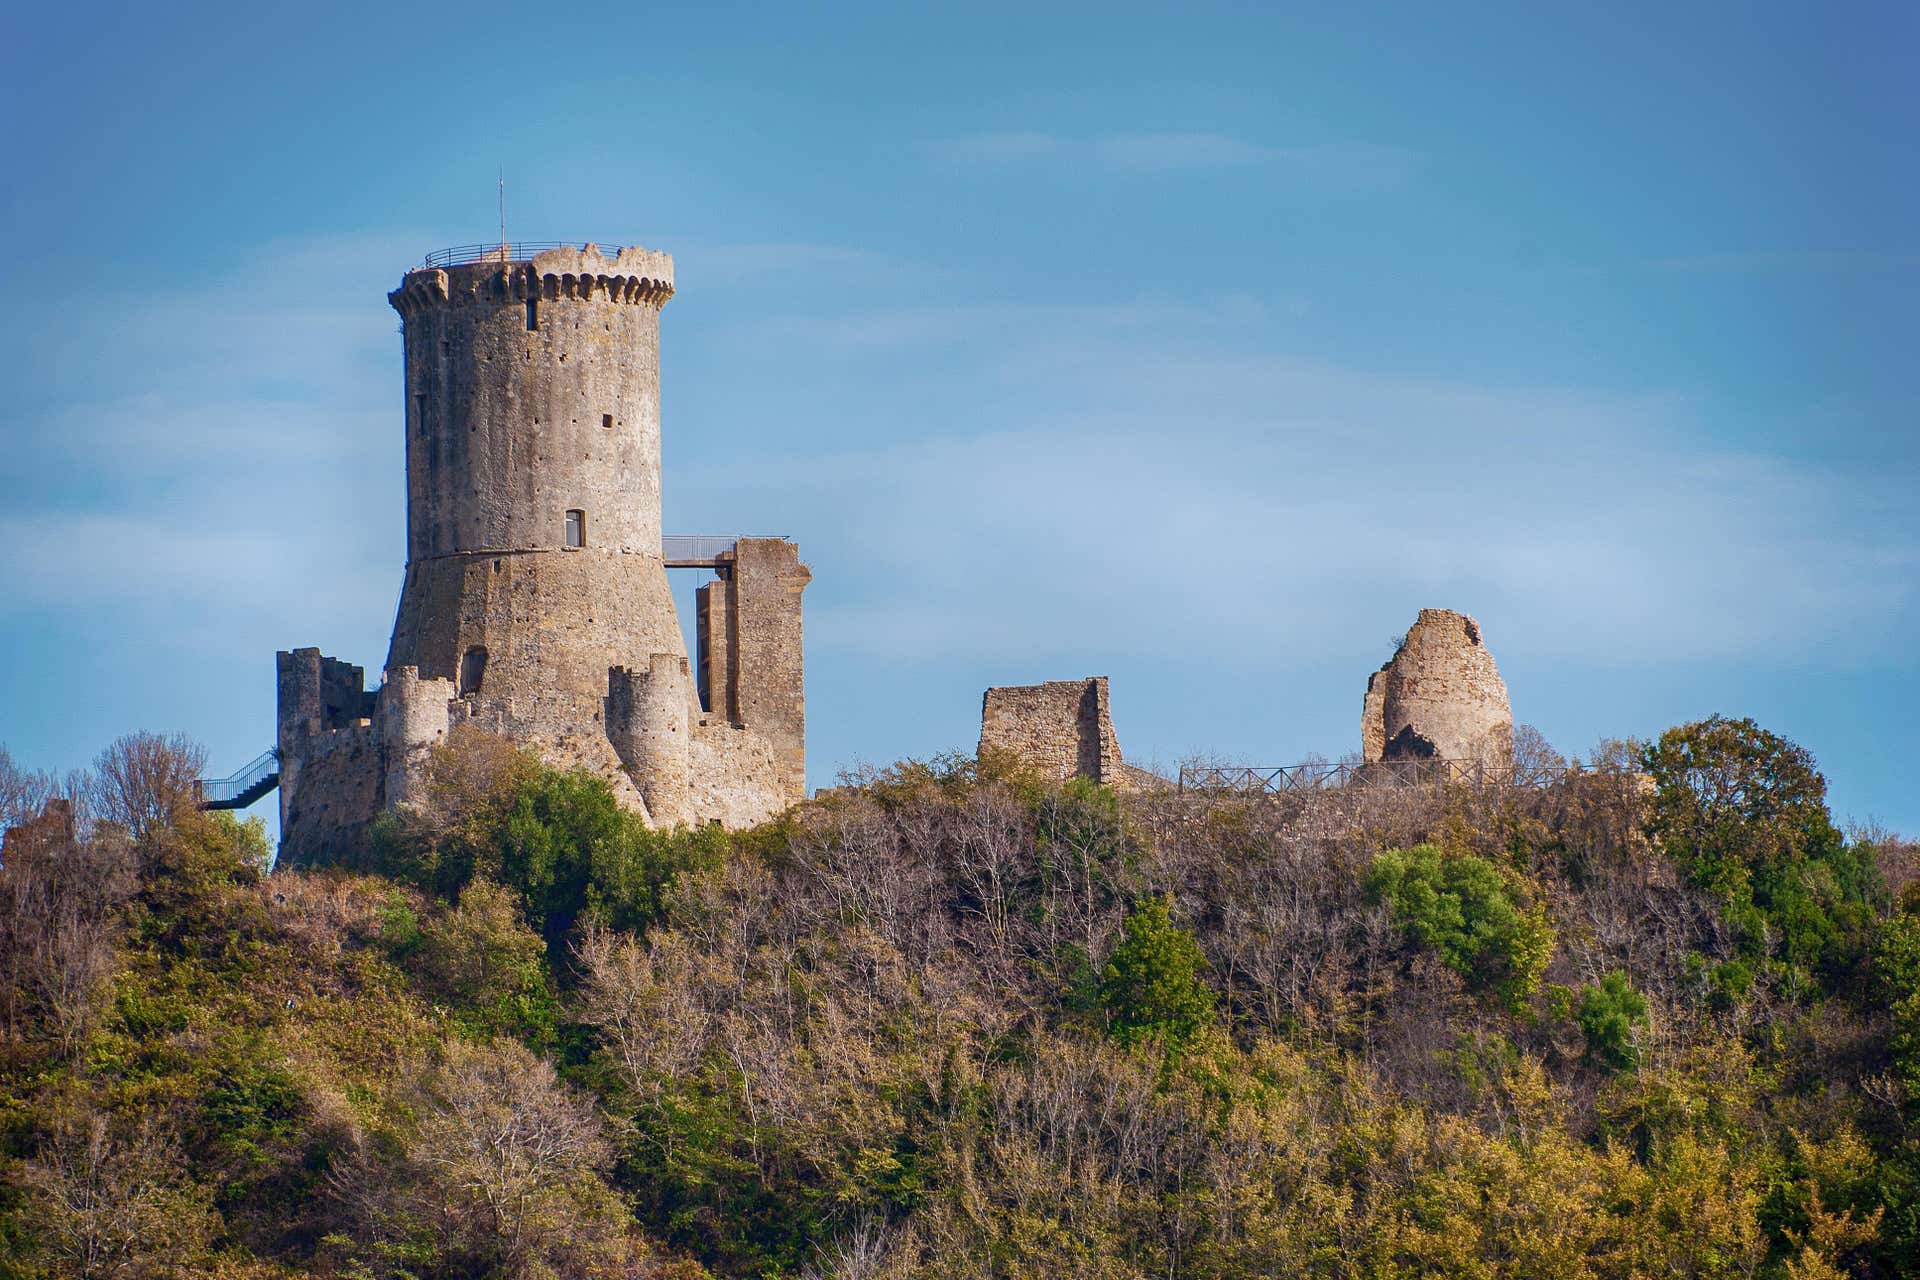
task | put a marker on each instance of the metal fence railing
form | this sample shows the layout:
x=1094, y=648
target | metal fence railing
x=1323, y=776
x=515, y=251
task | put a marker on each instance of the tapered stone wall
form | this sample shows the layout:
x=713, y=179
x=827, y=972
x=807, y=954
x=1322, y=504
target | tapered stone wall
x=1440, y=695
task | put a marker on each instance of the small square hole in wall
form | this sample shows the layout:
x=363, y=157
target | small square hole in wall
x=606, y=420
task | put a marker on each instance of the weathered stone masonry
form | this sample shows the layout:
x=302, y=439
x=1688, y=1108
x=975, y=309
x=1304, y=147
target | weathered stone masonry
x=1063, y=729
x=535, y=603
x=1440, y=695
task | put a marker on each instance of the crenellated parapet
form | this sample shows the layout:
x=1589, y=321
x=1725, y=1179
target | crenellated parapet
x=633, y=276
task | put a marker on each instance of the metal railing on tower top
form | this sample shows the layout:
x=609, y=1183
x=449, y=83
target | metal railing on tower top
x=515, y=251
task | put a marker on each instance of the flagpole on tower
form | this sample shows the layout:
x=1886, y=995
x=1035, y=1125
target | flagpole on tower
x=503, y=215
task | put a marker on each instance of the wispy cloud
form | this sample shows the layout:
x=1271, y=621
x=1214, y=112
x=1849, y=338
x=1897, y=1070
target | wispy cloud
x=701, y=264
x=1757, y=262
x=1343, y=165
x=1133, y=493
x=215, y=466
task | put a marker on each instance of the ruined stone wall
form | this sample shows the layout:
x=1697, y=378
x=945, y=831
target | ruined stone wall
x=329, y=766
x=332, y=786
x=713, y=645
x=733, y=777
x=1441, y=695
x=769, y=689
x=1063, y=728
x=749, y=640
x=1373, y=716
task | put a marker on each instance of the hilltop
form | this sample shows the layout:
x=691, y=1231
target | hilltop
x=953, y=1019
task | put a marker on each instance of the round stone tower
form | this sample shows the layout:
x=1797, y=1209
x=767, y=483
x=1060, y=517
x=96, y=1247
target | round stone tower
x=533, y=484
x=536, y=604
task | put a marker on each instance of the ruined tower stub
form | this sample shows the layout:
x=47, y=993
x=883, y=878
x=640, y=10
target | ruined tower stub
x=1063, y=728
x=748, y=636
x=1440, y=695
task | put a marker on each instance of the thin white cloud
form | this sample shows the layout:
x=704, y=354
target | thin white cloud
x=1332, y=166
x=1133, y=496
x=699, y=264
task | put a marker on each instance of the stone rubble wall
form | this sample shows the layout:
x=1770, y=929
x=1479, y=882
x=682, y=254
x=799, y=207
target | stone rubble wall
x=1441, y=695
x=1063, y=729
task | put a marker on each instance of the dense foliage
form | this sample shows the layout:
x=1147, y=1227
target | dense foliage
x=1660, y=1018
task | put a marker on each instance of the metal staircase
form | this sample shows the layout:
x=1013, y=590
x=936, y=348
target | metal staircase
x=255, y=778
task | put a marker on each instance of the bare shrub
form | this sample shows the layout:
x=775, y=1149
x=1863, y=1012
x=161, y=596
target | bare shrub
x=23, y=793
x=493, y=1167
x=107, y=1200
x=60, y=903
x=323, y=912
x=145, y=781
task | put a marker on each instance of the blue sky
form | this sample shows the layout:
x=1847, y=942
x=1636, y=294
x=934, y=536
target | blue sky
x=1198, y=346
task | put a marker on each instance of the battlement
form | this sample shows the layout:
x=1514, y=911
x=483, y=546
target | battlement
x=633, y=275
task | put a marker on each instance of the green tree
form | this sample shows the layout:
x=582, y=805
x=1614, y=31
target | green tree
x=1472, y=912
x=558, y=839
x=1608, y=1013
x=1743, y=811
x=1152, y=985
x=490, y=967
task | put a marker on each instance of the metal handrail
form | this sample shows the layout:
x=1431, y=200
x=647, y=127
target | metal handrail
x=1320, y=776
x=516, y=251
x=251, y=774
x=696, y=546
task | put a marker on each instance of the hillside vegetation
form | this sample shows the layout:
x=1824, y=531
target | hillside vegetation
x=1659, y=1019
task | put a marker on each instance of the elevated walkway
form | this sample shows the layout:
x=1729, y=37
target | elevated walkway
x=255, y=778
x=703, y=550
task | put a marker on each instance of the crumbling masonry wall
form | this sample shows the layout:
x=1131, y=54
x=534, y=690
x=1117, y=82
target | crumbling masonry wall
x=748, y=634
x=1440, y=695
x=1063, y=729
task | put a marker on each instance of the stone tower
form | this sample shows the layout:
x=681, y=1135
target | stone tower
x=1440, y=695
x=536, y=603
